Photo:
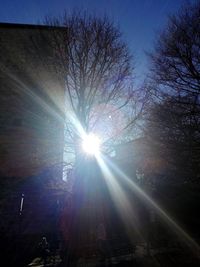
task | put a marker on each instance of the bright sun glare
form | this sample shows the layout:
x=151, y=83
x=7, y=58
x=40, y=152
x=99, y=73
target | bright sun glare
x=91, y=144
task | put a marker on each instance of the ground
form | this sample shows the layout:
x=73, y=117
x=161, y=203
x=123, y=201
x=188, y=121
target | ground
x=173, y=257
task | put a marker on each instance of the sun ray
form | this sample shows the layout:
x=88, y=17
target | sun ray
x=184, y=236
x=121, y=201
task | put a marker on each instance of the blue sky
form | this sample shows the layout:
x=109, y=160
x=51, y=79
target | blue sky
x=139, y=20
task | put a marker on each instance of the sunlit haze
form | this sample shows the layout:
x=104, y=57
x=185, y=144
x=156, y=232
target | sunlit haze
x=91, y=144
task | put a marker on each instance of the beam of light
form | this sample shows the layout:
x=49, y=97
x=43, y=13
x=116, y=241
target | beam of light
x=76, y=123
x=189, y=241
x=22, y=87
x=124, y=208
x=91, y=144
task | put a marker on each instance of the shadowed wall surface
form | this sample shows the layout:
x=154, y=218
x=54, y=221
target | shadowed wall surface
x=31, y=101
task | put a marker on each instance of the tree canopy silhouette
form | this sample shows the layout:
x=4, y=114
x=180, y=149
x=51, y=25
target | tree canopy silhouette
x=175, y=73
x=176, y=58
x=97, y=72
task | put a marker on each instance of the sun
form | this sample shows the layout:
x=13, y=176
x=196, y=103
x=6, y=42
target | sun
x=91, y=144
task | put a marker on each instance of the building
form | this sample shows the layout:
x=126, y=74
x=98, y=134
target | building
x=31, y=136
x=31, y=101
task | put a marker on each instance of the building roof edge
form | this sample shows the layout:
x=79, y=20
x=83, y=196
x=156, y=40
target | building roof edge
x=28, y=26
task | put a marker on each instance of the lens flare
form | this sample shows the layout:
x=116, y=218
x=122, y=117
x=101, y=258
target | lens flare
x=91, y=144
x=108, y=168
x=122, y=203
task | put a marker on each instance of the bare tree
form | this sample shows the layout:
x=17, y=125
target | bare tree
x=97, y=73
x=175, y=73
x=174, y=138
x=176, y=60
